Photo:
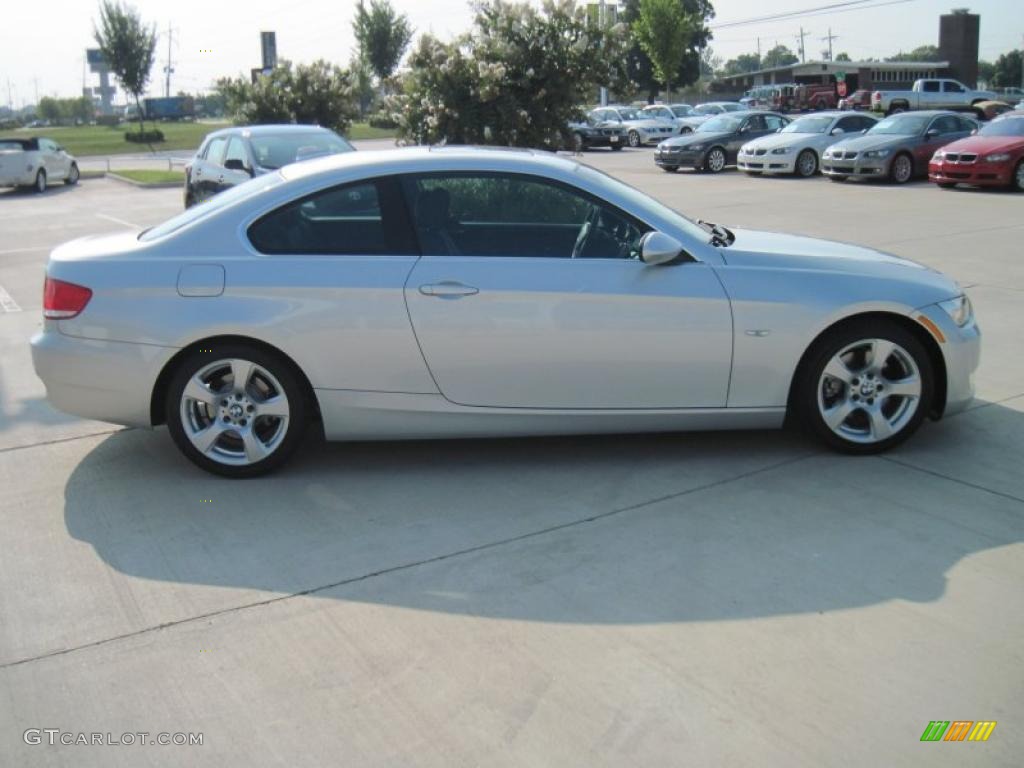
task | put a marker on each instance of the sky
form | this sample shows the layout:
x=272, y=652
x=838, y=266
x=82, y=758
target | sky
x=213, y=39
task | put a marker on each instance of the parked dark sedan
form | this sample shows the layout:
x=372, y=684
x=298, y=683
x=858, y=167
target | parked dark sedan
x=596, y=133
x=233, y=155
x=715, y=143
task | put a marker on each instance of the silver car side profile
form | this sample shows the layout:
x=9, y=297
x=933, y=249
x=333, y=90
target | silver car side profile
x=460, y=292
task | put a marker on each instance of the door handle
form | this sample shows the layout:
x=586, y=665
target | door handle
x=448, y=289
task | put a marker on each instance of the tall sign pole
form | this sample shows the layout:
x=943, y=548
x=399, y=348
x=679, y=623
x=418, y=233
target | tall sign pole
x=600, y=24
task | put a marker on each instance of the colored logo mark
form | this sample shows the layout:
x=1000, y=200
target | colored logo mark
x=958, y=730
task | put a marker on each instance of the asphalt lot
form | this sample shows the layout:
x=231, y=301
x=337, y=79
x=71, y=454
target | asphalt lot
x=724, y=599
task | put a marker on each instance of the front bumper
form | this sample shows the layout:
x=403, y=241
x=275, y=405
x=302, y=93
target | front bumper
x=103, y=380
x=961, y=352
x=978, y=173
x=679, y=159
x=867, y=167
x=767, y=163
x=604, y=141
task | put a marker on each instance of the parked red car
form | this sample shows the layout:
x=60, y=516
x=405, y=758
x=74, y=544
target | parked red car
x=857, y=100
x=994, y=157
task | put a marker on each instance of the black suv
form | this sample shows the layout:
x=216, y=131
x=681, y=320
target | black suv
x=233, y=155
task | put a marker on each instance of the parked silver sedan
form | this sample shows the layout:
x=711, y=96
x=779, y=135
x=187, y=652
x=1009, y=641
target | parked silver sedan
x=466, y=293
x=797, y=148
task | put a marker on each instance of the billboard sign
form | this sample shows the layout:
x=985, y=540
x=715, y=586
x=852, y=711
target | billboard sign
x=268, y=47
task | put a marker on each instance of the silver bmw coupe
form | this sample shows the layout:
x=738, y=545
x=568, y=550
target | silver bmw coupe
x=458, y=292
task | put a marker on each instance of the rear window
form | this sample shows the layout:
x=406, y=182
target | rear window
x=222, y=201
x=24, y=144
x=278, y=150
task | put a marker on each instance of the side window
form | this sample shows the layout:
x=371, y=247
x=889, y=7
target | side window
x=345, y=220
x=946, y=124
x=951, y=87
x=866, y=123
x=930, y=86
x=774, y=123
x=754, y=123
x=966, y=125
x=508, y=215
x=215, y=150
x=851, y=124
x=47, y=146
x=236, y=151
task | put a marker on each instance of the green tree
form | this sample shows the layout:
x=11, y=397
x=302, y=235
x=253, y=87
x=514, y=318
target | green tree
x=921, y=53
x=128, y=46
x=516, y=79
x=319, y=93
x=383, y=36
x=1008, y=70
x=664, y=34
x=745, y=62
x=986, y=72
x=843, y=56
x=48, y=109
x=779, y=56
x=639, y=66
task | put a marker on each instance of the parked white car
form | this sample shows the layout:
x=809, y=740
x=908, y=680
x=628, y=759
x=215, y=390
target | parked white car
x=670, y=113
x=35, y=163
x=640, y=129
x=798, y=147
x=704, y=112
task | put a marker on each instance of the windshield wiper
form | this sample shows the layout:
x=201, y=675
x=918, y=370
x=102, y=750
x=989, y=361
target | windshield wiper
x=720, y=236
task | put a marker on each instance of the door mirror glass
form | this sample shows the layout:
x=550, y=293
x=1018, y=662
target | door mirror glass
x=658, y=248
x=838, y=131
x=932, y=133
x=234, y=164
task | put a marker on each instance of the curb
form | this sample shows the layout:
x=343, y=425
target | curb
x=143, y=185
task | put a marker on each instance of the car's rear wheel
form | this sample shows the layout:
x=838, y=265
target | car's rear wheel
x=670, y=168
x=865, y=387
x=685, y=130
x=945, y=184
x=73, y=175
x=40, y=183
x=715, y=160
x=838, y=178
x=616, y=147
x=236, y=410
x=902, y=169
x=634, y=139
x=807, y=163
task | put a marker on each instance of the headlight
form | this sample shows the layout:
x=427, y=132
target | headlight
x=939, y=154
x=878, y=153
x=782, y=151
x=959, y=309
x=999, y=157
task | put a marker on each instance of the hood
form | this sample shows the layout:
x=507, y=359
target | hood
x=986, y=145
x=779, y=251
x=689, y=139
x=872, y=141
x=109, y=246
x=776, y=140
x=695, y=120
x=646, y=122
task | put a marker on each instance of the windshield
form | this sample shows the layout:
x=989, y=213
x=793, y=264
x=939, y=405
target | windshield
x=224, y=200
x=720, y=124
x=683, y=110
x=809, y=125
x=643, y=202
x=276, y=150
x=901, y=125
x=707, y=109
x=1007, y=126
x=631, y=114
x=733, y=107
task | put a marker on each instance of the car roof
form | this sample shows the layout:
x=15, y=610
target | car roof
x=931, y=113
x=261, y=130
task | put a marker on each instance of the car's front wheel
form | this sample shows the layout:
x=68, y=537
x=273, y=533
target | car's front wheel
x=73, y=175
x=40, y=183
x=902, y=169
x=236, y=410
x=865, y=387
x=807, y=164
x=634, y=139
x=1017, y=181
x=715, y=161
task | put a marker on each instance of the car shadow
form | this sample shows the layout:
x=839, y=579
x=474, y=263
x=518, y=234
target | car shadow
x=58, y=188
x=608, y=530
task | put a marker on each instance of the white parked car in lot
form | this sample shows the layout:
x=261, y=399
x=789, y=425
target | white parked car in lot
x=36, y=163
x=798, y=147
x=640, y=128
x=670, y=113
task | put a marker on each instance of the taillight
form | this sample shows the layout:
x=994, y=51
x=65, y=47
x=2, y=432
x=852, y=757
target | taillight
x=876, y=96
x=63, y=300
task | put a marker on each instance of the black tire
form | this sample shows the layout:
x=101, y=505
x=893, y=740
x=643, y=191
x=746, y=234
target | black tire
x=838, y=179
x=896, y=168
x=73, y=175
x=669, y=168
x=292, y=387
x=616, y=147
x=801, y=167
x=809, y=378
x=685, y=130
x=634, y=139
x=40, y=183
x=945, y=184
x=1017, y=180
x=896, y=109
x=711, y=163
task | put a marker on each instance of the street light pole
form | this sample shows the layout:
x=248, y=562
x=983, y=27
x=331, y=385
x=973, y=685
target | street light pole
x=600, y=24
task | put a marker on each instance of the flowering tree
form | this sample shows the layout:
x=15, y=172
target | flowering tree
x=516, y=79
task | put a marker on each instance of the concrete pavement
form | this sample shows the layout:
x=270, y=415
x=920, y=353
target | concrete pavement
x=731, y=599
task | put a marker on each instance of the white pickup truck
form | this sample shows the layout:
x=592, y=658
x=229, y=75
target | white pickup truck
x=35, y=162
x=929, y=94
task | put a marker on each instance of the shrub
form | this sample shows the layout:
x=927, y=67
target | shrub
x=144, y=137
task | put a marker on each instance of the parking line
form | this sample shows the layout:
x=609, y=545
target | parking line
x=7, y=303
x=118, y=221
x=23, y=250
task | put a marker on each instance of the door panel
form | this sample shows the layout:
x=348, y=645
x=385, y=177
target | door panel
x=572, y=333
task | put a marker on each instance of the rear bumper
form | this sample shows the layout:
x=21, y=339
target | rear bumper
x=103, y=380
x=21, y=179
x=979, y=174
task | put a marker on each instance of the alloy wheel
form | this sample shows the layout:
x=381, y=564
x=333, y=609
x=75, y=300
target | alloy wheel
x=41, y=182
x=902, y=169
x=807, y=163
x=1018, y=176
x=869, y=391
x=716, y=160
x=634, y=139
x=234, y=412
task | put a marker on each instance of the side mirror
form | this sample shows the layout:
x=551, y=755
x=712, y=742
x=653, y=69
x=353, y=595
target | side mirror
x=932, y=133
x=838, y=131
x=234, y=164
x=658, y=248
